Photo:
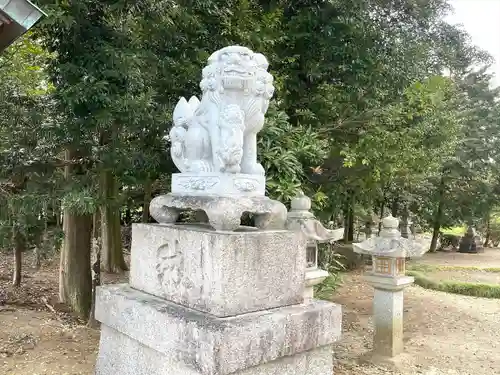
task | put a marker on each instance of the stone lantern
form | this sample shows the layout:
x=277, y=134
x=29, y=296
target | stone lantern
x=388, y=277
x=16, y=17
x=300, y=218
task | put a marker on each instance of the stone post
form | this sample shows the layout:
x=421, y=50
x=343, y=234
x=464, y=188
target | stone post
x=301, y=219
x=471, y=242
x=388, y=278
x=215, y=297
x=371, y=226
x=404, y=225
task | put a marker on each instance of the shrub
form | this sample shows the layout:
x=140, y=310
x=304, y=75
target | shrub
x=456, y=287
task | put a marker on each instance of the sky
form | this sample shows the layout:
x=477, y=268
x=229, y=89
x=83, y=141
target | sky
x=481, y=19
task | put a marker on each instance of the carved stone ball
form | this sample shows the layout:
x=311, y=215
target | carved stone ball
x=301, y=202
x=390, y=222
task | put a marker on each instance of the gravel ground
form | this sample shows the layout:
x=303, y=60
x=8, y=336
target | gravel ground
x=444, y=333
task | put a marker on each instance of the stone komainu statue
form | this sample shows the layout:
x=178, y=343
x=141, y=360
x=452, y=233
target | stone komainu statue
x=219, y=133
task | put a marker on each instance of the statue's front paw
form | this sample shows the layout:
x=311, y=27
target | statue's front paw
x=255, y=169
x=258, y=169
x=232, y=168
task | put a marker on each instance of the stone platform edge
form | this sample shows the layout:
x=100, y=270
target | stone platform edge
x=217, y=345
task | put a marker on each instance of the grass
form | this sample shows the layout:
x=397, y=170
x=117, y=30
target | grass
x=326, y=289
x=431, y=268
x=454, y=231
x=456, y=287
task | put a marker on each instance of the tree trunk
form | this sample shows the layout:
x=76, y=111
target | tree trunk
x=350, y=233
x=437, y=217
x=75, y=279
x=346, y=220
x=19, y=248
x=127, y=220
x=395, y=207
x=96, y=266
x=41, y=243
x=381, y=216
x=112, y=249
x=348, y=212
x=59, y=219
x=148, y=187
x=488, y=231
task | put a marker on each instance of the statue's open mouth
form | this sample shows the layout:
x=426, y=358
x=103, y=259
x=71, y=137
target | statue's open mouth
x=234, y=72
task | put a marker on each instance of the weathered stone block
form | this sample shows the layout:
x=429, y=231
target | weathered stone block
x=222, y=273
x=143, y=334
x=119, y=354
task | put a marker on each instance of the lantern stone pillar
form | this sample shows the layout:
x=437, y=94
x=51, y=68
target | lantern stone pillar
x=301, y=219
x=388, y=277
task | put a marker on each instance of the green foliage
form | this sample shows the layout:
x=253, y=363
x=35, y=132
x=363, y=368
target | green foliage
x=454, y=231
x=289, y=154
x=329, y=259
x=24, y=140
x=326, y=289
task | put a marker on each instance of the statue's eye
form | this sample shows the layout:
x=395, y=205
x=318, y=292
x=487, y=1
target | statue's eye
x=224, y=56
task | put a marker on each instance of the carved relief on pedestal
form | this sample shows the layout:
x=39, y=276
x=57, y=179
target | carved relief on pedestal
x=198, y=183
x=169, y=266
x=246, y=185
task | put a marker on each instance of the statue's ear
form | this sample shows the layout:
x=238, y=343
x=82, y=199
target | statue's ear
x=261, y=61
x=193, y=103
x=213, y=57
x=182, y=109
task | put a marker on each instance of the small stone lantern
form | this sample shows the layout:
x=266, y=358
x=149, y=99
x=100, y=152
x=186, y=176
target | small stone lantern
x=388, y=278
x=300, y=218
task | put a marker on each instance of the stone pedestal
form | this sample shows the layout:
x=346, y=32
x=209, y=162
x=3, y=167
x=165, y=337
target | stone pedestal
x=143, y=334
x=388, y=314
x=214, y=303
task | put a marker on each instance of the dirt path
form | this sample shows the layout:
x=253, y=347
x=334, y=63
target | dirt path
x=33, y=339
x=444, y=333
x=37, y=342
x=490, y=258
